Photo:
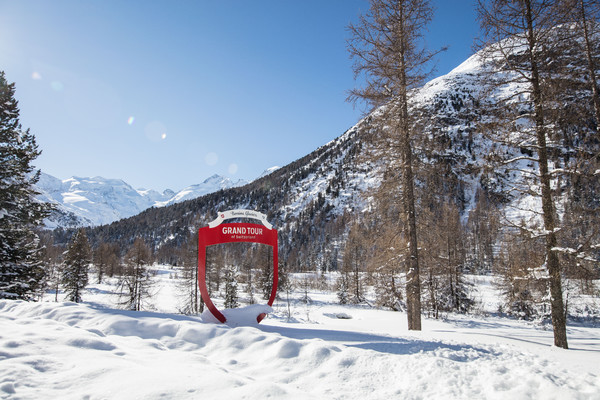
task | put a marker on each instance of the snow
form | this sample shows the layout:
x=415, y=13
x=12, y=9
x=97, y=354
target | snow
x=318, y=351
x=268, y=171
x=356, y=182
x=244, y=316
x=210, y=185
x=98, y=201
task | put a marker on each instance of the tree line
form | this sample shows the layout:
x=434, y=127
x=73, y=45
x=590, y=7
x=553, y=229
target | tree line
x=538, y=110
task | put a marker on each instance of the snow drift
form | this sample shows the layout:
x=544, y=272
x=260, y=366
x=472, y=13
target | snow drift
x=68, y=350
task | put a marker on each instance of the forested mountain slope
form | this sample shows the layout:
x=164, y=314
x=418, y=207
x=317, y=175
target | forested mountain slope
x=314, y=201
x=309, y=201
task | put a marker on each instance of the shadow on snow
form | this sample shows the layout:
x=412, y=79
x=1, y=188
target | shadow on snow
x=382, y=344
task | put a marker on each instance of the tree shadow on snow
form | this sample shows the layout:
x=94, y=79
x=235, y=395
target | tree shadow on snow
x=383, y=344
x=525, y=332
x=141, y=314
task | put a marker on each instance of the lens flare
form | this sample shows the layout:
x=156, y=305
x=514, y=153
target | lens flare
x=155, y=131
x=130, y=120
x=233, y=168
x=57, y=86
x=211, y=158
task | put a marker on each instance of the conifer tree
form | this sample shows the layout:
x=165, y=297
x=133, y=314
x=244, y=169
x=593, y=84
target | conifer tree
x=136, y=280
x=52, y=258
x=76, y=263
x=520, y=37
x=215, y=259
x=387, y=48
x=342, y=284
x=581, y=225
x=285, y=285
x=353, y=266
x=248, y=276
x=192, y=302
x=21, y=272
x=387, y=266
x=231, y=292
x=264, y=256
x=517, y=266
x=483, y=227
x=105, y=260
x=444, y=260
x=586, y=13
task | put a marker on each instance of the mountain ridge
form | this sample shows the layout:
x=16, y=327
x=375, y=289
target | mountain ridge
x=93, y=201
x=314, y=201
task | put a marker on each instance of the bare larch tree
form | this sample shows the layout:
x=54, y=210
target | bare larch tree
x=389, y=56
x=517, y=36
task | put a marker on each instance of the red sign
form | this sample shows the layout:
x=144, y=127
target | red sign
x=232, y=233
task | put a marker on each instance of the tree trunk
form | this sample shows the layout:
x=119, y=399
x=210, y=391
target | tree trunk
x=552, y=262
x=413, y=284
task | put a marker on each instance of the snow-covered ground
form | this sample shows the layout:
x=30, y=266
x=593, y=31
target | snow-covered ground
x=318, y=351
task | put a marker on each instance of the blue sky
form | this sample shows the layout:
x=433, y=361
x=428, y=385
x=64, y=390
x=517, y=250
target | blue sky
x=164, y=94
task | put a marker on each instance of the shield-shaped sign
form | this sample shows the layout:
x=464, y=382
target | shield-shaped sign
x=217, y=232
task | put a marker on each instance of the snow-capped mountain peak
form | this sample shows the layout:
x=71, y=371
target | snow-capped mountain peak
x=210, y=185
x=269, y=171
x=84, y=201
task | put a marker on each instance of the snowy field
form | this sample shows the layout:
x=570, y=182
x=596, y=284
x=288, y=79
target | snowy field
x=324, y=351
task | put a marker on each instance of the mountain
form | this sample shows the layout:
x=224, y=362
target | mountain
x=326, y=185
x=313, y=196
x=98, y=201
x=268, y=171
x=314, y=201
x=210, y=185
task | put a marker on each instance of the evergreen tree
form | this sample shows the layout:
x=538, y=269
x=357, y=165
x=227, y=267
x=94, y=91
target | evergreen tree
x=76, y=262
x=247, y=267
x=21, y=272
x=231, y=293
x=342, y=284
